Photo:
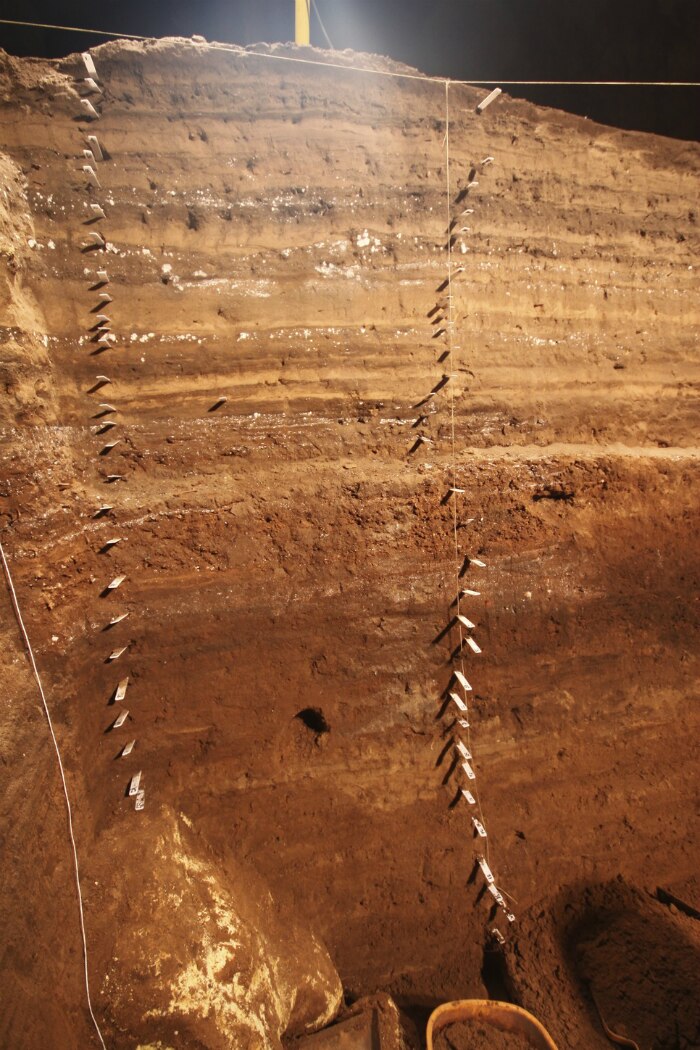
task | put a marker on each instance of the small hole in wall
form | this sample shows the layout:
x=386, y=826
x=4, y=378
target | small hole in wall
x=314, y=720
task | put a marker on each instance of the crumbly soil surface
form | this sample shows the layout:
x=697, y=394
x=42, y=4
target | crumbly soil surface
x=275, y=236
x=610, y=950
x=467, y=1035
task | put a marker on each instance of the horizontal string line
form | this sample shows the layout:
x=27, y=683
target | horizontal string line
x=233, y=49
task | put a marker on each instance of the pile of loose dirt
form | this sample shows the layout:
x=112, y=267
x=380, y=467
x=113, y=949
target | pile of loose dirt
x=474, y=1035
x=615, y=946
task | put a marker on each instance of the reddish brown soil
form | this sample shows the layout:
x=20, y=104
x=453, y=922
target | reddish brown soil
x=467, y=1035
x=615, y=946
x=276, y=235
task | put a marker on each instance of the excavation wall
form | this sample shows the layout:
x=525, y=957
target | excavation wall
x=275, y=235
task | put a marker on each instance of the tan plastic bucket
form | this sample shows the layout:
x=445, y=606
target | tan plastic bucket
x=504, y=1017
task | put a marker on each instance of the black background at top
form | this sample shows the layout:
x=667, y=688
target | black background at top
x=463, y=39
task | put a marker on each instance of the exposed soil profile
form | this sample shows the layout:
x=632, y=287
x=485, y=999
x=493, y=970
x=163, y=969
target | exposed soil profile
x=236, y=449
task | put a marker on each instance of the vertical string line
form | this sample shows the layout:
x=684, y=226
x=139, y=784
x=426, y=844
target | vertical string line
x=453, y=439
x=30, y=652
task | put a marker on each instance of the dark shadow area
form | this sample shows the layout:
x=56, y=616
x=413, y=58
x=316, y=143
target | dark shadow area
x=314, y=720
x=98, y=385
x=555, y=493
x=495, y=975
x=638, y=968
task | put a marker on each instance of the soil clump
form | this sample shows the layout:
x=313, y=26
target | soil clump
x=469, y=1035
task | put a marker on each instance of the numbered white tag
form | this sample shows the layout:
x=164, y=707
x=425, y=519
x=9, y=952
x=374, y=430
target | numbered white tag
x=95, y=146
x=89, y=63
x=496, y=894
x=457, y=700
x=121, y=690
x=491, y=97
x=488, y=874
x=87, y=105
x=480, y=829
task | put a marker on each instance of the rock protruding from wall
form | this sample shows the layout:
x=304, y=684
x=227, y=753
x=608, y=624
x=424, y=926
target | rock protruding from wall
x=200, y=953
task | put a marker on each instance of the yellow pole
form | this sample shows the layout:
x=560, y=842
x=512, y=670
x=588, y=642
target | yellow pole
x=301, y=22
